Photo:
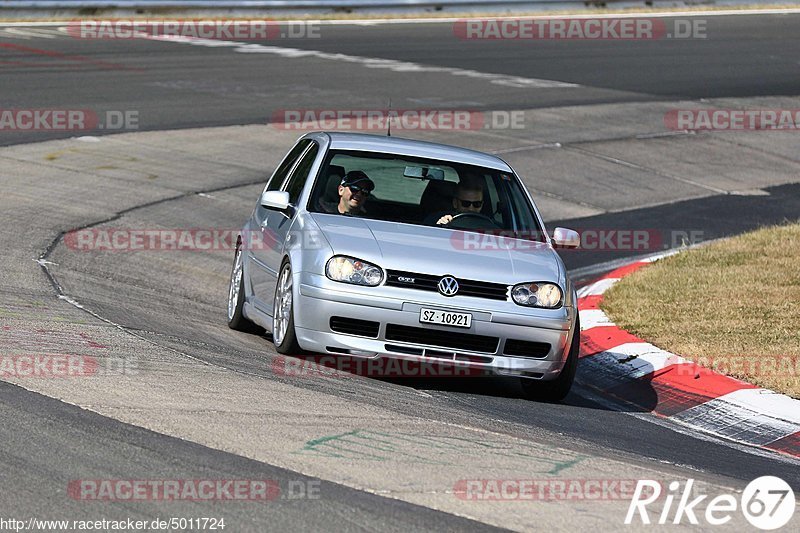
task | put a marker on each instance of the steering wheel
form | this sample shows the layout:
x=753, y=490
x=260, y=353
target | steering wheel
x=472, y=220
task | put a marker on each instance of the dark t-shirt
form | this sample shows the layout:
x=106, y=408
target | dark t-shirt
x=333, y=208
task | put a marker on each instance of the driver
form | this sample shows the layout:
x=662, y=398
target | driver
x=354, y=191
x=468, y=199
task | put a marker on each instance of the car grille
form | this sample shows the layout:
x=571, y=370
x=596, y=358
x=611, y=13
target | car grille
x=429, y=282
x=354, y=326
x=428, y=352
x=445, y=339
x=526, y=348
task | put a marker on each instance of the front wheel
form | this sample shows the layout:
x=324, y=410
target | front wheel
x=557, y=389
x=283, y=334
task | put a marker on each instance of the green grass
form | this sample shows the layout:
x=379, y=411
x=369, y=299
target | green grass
x=733, y=305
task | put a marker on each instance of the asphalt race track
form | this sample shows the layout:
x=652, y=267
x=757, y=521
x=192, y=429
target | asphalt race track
x=742, y=56
x=183, y=397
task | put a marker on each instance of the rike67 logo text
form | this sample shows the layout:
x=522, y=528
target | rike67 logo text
x=767, y=503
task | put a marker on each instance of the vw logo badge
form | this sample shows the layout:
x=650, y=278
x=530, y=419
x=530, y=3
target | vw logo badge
x=448, y=286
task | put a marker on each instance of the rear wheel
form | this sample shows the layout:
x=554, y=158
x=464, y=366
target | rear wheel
x=557, y=389
x=283, y=334
x=236, y=318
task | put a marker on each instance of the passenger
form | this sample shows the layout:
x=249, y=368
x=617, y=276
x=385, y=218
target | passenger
x=354, y=190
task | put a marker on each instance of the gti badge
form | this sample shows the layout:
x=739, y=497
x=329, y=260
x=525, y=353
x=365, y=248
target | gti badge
x=448, y=286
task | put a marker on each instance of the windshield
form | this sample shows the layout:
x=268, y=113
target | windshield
x=424, y=192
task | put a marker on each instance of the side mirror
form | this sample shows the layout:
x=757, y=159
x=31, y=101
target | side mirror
x=278, y=200
x=566, y=238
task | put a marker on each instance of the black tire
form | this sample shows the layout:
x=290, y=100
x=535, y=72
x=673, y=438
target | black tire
x=288, y=344
x=557, y=389
x=236, y=319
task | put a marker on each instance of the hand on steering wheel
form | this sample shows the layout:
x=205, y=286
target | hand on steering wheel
x=476, y=217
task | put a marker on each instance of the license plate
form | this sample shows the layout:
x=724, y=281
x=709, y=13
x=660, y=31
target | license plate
x=445, y=318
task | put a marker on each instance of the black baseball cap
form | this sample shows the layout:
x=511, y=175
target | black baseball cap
x=357, y=177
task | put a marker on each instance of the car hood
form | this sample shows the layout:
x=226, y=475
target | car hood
x=438, y=251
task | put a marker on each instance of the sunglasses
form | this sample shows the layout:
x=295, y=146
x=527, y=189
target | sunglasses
x=468, y=203
x=356, y=189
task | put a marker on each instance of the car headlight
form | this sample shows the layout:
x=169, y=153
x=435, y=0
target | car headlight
x=351, y=270
x=547, y=295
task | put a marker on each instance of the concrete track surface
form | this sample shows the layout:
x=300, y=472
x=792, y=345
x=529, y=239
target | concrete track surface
x=180, y=396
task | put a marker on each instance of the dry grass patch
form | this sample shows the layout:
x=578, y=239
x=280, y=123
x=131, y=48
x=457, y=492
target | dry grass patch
x=733, y=306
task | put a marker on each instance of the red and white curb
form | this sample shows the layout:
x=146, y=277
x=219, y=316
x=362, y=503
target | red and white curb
x=628, y=368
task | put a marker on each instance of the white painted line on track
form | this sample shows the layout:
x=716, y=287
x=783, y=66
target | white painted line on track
x=661, y=255
x=450, y=20
x=593, y=318
x=627, y=14
x=743, y=422
x=608, y=266
x=677, y=425
x=597, y=288
x=370, y=62
x=633, y=360
x=29, y=33
x=766, y=402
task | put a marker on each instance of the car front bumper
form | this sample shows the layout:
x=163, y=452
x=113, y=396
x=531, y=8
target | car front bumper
x=318, y=299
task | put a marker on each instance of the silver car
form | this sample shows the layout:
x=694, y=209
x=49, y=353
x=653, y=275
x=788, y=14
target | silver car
x=379, y=247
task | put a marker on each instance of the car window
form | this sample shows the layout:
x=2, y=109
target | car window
x=279, y=176
x=523, y=216
x=387, y=173
x=424, y=201
x=300, y=174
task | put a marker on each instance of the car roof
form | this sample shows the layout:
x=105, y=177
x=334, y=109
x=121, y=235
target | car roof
x=400, y=146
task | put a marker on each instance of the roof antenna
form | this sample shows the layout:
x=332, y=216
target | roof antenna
x=389, y=122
